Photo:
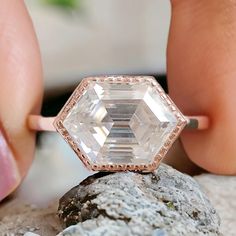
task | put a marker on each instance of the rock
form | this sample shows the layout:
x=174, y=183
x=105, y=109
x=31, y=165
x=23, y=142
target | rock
x=221, y=190
x=162, y=203
x=30, y=234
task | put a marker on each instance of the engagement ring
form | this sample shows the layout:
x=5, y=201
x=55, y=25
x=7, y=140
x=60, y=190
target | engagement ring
x=119, y=123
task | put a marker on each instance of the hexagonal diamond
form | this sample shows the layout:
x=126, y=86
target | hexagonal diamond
x=120, y=123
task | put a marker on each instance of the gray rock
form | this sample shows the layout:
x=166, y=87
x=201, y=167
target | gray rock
x=31, y=234
x=221, y=190
x=162, y=203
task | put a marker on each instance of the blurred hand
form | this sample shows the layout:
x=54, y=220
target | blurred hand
x=201, y=70
x=20, y=92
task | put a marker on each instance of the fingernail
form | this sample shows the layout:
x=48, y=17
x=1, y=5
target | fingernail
x=9, y=174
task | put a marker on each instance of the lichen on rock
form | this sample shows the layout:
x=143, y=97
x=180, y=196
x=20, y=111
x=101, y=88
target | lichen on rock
x=165, y=202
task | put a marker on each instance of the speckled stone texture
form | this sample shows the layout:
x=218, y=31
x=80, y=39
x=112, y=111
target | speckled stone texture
x=162, y=203
x=222, y=192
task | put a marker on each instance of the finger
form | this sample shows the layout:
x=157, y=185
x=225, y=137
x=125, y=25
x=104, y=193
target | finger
x=201, y=76
x=20, y=92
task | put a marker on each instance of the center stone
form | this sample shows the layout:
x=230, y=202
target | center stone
x=120, y=123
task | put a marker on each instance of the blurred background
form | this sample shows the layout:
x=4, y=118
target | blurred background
x=86, y=37
x=80, y=38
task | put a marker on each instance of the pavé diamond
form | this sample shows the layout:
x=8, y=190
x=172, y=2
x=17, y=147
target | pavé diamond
x=117, y=123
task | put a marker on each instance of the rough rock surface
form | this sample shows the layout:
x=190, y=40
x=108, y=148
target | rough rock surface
x=162, y=203
x=222, y=192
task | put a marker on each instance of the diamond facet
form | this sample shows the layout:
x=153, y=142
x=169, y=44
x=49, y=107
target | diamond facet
x=115, y=122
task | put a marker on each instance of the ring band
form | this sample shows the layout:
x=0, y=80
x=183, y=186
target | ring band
x=40, y=123
x=119, y=123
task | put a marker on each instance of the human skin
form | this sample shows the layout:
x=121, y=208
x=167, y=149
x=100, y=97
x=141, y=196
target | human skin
x=20, y=92
x=200, y=69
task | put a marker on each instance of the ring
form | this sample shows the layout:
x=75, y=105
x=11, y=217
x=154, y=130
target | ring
x=119, y=123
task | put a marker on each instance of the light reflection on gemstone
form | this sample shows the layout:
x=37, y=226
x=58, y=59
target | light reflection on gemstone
x=120, y=123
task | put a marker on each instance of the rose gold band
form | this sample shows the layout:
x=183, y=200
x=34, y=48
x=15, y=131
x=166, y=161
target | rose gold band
x=40, y=123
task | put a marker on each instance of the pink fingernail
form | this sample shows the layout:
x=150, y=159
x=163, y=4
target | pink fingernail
x=9, y=174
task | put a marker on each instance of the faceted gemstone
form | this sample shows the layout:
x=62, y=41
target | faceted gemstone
x=120, y=123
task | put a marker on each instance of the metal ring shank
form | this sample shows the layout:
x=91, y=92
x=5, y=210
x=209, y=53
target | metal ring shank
x=197, y=122
x=40, y=123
